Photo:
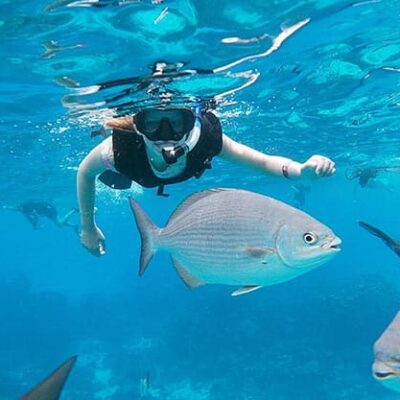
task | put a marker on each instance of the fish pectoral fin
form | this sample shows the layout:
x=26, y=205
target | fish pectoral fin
x=259, y=252
x=245, y=290
x=51, y=387
x=190, y=280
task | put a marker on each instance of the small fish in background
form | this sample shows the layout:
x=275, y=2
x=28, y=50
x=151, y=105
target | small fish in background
x=299, y=195
x=386, y=366
x=51, y=387
x=144, y=386
x=52, y=47
x=236, y=237
x=391, y=243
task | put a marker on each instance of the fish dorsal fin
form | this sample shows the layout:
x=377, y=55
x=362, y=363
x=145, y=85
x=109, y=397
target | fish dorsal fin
x=50, y=388
x=190, y=280
x=189, y=201
x=245, y=290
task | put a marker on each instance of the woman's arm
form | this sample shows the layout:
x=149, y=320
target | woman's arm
x=315, y=166
x=91, y=236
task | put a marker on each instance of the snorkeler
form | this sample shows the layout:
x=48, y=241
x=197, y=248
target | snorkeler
x=161, y=146
x=32, y=211
x=365, y=175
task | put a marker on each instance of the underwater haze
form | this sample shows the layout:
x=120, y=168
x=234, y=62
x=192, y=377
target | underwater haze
x=331, y=86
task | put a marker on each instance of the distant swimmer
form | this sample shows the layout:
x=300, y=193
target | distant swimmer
x=386, y=366
x=51, y=387
x=236, y=237
x=363, y=175
x=391, y=243
x=34, y=210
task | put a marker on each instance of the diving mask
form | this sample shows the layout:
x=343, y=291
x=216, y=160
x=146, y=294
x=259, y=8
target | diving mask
x=165, y=124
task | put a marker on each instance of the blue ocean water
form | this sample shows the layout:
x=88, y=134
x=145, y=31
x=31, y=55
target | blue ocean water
x=331, y=88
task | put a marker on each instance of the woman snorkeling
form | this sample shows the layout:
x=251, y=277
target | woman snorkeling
x=167, y=145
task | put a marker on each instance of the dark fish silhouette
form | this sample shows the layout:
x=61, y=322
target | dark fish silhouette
x=50, y=388
x=386, y=366
x=391, y=243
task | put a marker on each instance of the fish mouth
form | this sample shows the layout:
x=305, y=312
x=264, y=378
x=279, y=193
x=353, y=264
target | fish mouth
x=383, y=375
x=333, y=245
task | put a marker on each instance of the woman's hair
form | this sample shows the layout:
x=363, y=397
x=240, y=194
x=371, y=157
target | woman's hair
x=124, y=123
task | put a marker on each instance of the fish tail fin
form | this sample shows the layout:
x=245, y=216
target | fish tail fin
x=148, y=233
x=377, y=232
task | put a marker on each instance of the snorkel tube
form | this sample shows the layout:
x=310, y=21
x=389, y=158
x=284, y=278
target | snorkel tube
x=172, y=153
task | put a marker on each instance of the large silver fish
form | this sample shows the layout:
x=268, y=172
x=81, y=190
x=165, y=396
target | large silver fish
x=236, y=237
x=386, y=366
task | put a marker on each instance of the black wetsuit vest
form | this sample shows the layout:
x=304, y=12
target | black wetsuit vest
x=130, y=157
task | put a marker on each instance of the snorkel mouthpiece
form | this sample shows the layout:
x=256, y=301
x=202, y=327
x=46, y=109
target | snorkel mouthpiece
x=172, y=153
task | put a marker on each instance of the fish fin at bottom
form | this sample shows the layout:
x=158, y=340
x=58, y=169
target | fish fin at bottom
x=245, y=290
x=189, y=280
x=51, y=387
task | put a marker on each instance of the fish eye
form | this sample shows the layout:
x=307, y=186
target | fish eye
x=310, y=238
x=395, y=359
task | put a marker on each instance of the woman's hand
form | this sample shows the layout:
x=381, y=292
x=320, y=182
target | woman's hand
x=94, y=241
x=317, y=166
